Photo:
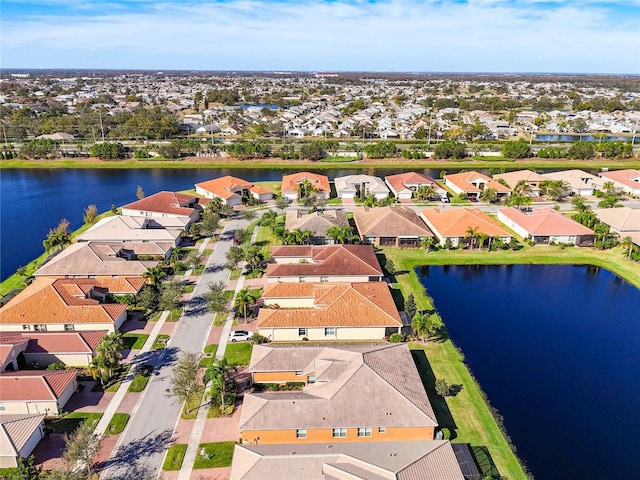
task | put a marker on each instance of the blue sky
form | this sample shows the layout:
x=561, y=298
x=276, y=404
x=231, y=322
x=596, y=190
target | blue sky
x=582, y=36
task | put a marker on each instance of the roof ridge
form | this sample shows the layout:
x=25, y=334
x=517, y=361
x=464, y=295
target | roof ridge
x=372, y=302
x=6, y=434
x=422, y=457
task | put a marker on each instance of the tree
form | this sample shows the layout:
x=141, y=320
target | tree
x=185, y=380
x=249, y=215
x=424, y=193
x=423, y=324
x=517, y=200
x=253, y=257
x=313, y=151
x=579, y=203
x=282, y=203
x=518, y=149
x=171, y=295
x=58, y=238
x=90, y=215
x=472, y=233
x=522, y=188
x=489, y=195
x=235, y=255
x=554, y=190
x=40, y=148
x=108, y=150
x=215, y=297
x=442, y=387
x=80, y=447
x=627, y=242
x=244, y=299
x=582, y=150
x=341, y=234
x=148, y=298
x=155, y=275
x=218, y=375
x=390, y=267
x=26, y=470
x=410, y=306
x=242, y=235
x=305, y=189
x=139, y=193
x=107, y=358
x=210, y=222
x=269, y=218
x=450, y=149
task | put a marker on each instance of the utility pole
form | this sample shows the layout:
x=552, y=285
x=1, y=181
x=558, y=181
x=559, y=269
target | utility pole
x=101, y=126
x=4, y=134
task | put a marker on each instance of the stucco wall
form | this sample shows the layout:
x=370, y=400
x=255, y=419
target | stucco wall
x=326, y=435
x=59, y=327
x=317, y=334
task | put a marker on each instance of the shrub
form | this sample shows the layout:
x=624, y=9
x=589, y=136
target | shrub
x=56, y=366
x=442, y=387
x=259, y=339
x=396, y=338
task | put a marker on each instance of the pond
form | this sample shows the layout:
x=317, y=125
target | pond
x=555, y=348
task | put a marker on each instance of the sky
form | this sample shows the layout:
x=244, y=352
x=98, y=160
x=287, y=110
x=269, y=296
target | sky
x=543, y=36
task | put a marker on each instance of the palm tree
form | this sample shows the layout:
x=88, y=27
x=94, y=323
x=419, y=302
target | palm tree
x=522, y=188
x=370, y=201
x=627, y=242
x=252, y=257
x=155, y=275
x=244, y=299
x=579, y=203
x=218, y=375
x=305, y=188
x=472, y=233
x=107, y=356
x=482, y=237
x=424, y=324
x=341, y=234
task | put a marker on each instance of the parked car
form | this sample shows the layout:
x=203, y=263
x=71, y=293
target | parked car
x=240, y=336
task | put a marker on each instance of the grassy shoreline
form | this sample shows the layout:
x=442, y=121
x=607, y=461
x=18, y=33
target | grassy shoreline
x=277, y=163
x=469, y=413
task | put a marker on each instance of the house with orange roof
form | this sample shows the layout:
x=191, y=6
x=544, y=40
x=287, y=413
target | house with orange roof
x=363, y=393
x=19, y=436
x=327, y=312
x=291, y=184
x=627, y=180
x=531, y=179
x=473, y=183
x=392, y=226
x=36, y=391
x=57, y=304
x=454, y=225
x=330, y=263
x=165, y=204
x=545, y=226
x=404, y=185
x=73, y=348
x=232, y=190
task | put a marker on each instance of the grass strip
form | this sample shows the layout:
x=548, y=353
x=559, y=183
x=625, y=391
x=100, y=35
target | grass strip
x=175, y=457
x=117, y=423
x=216, y=455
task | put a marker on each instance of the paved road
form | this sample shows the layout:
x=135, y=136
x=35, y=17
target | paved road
x=141, y=448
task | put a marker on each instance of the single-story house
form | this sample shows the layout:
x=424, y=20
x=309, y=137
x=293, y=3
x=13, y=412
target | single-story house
x=351, y=393
x=55, y=304
x=545, y=225
x=319, y=183
x=165, y=204
x=12, y=347
x=331, y=263
x=578, y=181
x=404, y=185
x=317, y=222
x=390, y=226
x=329, y=312
x=105, y=259
x=435, y=459
x=624, y=221
x=361, y=185
x=626, y=180
x=232, y=190
x=19, y=436
x=532, y=180
x=36, y=391
x=473, y=183
x=133, y=229
x=453, y=225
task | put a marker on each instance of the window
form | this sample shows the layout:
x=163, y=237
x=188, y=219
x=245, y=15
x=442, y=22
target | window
x=382, y=429
x=324, y=279
x=339, y=433
x=364, y=431
x=298, y=373
x=39, y=327
x=301, y=279
x=25, y=327
x=2, y=408
x=302, y=332
x=91, y=276
x=330, y=332
x=301, y=433
x=311, y=379
x=69, y=327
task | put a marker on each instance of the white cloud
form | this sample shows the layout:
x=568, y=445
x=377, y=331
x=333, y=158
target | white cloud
x=480, y=35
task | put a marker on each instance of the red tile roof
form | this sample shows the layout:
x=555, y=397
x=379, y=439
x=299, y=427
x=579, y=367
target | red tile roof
x=455, y=222
x=463, y=181
x=165, y=202
x=35, y=385
x=401, y=181
x=228, y=186
x=545, y=221
x=290, y=182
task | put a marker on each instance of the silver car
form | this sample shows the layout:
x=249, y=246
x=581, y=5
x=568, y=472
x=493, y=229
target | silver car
x=240, y=336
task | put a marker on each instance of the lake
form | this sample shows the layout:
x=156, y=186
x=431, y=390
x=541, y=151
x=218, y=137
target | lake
x=555, y=348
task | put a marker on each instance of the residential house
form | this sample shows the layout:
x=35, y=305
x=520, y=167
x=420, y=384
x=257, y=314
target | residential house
x=435, y=459
x=455, y=224
x=390, y=226
x=135, y=229
x=165, y=204
x=352, y=393
x=334, y=263
x=473, y=183
x=19, y=436
x=404, y=185
x=532, y=180
x=545, y=226
x=318, y=222
x=232, y=190
x=627, y=181
x=625, y=221
x=105, y=259
x=361, y=185
x=578, y=182
x=325, y=311
x=73, y=348
x=291, y=184
x=51, y=304
x=36, y=391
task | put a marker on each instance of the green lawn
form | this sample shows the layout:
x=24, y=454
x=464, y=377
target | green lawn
x=115, y=382
x=265, y=240
x=140, y=379
x=117, y=423
x=215, y=455
x=69, y=423
x=273, y=186
x=160, y=341
x=238, y=353
x=190, y=408
x=206, y=362
x=175, y=457
x=134, y=341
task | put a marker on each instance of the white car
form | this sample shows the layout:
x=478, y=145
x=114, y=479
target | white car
x=240, y=336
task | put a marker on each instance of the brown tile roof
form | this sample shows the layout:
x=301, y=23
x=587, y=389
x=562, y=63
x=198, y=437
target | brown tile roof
x=512, y=178
x=346, y=375
x=340, y=305
x=317, y=222
x=18, y=429
x=35, y=385
x=463, y=181
x=50, y=300
x=624, y=219
x=545, y=221
x=290, y=182
x=389, y=222
x=165, y=202
x=225, y=187
x=330, y=260
x=455, y=222
x=402, y=181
